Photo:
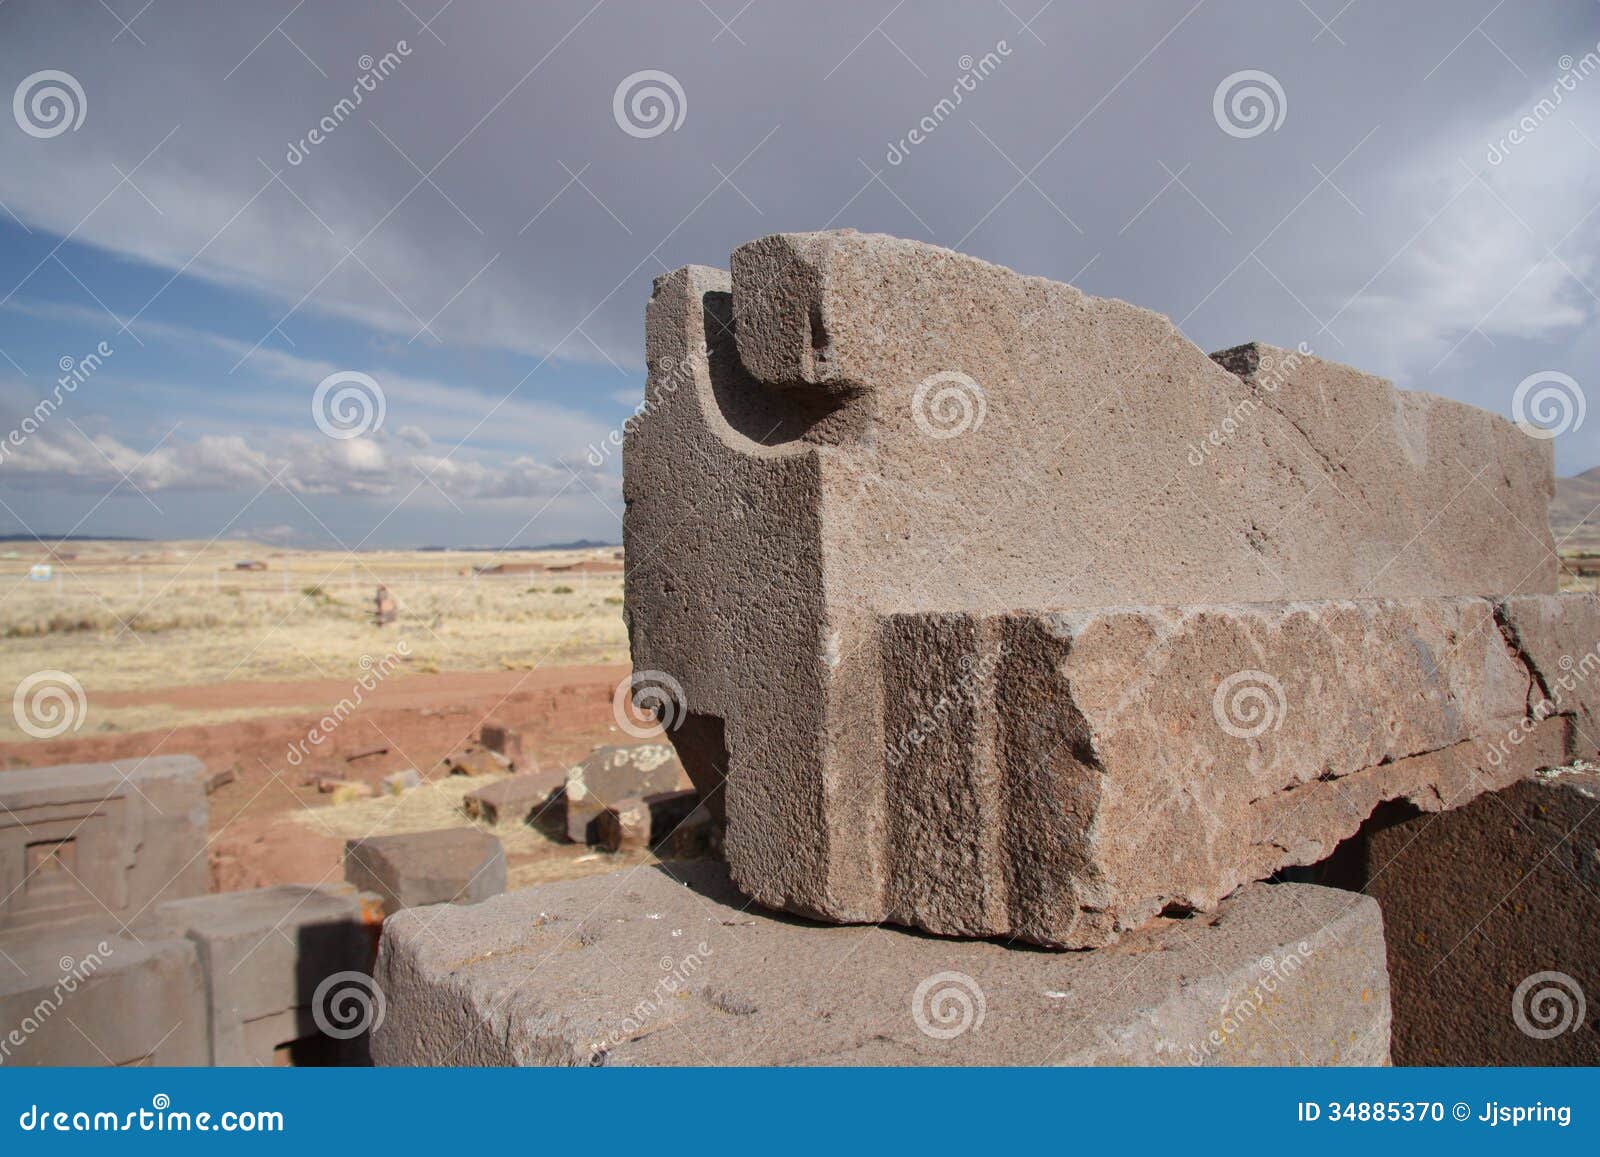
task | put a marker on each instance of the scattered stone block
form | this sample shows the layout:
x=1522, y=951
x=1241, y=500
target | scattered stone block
x=1491, y=911
x=853, y=442
x=624, y=826
x=516, y=798
x=477, y=761
x=400, y=782
x=506, y=742
x=81, y=993
x=632, y=825
x=698, y=837
x=266, y=956
x=447, y=866
x=637, y=968
x=613, y=773
x=93, y=839
x=220, y=779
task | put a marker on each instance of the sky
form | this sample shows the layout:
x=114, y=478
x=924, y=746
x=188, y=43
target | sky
x=421, y=322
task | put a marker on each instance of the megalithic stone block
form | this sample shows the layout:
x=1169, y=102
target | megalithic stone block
x=1064, y=777
x=1491, y=913
x=671, y=966
x=267, y=956
x=515, y=798
x=851, y=429
x=92, y=839
x=82, y=993
x=411, y=869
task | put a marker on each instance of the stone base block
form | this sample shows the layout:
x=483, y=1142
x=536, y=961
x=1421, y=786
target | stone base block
x=266, y=955
x=1491, y=911
x=80, y=994
x=84, y=840
x=669, y=965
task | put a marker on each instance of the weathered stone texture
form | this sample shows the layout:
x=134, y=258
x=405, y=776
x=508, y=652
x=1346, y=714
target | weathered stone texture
x=93, y=839
x=637, y=968
x=82, y=994
x=1491, y=913
x=860, y=455
x=516, y=798
x=611, y=774
x=447, y=866
x=263, y=954
x=1063, y=777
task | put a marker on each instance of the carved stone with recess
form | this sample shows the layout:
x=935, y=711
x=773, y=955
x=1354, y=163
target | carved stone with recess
x=979, y=589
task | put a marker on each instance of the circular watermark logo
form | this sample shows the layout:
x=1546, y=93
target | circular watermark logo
x=49, y=103
x=648, y=103
x=348, y=404
x=1248, y=103
x=947, y=1004
x=646, y=701
x=948, y=404
x=1548, y=404
x=49, y=703
x=1249, y=703
x=1548, y=1004
x=347, y=1004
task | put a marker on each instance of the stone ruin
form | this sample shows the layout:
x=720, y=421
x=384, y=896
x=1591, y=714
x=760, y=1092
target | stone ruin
x=978, y=605
x=973, y=604
x=1001, y=610
x=113, y=952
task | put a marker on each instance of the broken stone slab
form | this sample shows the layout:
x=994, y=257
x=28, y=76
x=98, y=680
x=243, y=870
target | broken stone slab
x=514, y=799
x=506, y=742
x=447, y=866
x=81, y=993
x=632, y=825
x=1063, y=777
x=613, y=773
x=698, y=837
x=282, y=968
x=624, y=826
x=1491, y=911
x=670, y=965
x=851, y=428
x=1559, y=640
x=92, y=839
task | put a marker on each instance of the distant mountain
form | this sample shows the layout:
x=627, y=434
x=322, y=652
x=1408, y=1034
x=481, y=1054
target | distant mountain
x=578, y=544
x=1576, y=500
x=69, y=538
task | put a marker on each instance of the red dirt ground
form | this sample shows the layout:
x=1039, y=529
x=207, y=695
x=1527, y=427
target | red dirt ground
x=562, y=712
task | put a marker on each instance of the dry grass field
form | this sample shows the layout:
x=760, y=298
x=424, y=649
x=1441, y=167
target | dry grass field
x=135, y=617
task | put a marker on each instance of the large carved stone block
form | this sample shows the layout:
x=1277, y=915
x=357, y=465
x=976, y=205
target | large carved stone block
x=861, y=460
x=101, y=839
x=671, y=966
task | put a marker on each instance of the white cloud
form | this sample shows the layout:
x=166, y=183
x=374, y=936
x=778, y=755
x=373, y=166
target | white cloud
x=61, y=457
x=1507, y=250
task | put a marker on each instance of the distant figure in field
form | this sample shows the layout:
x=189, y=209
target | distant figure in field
x=385, y=607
